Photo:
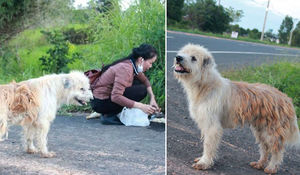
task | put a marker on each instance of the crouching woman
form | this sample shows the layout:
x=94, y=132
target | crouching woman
x=124, y=84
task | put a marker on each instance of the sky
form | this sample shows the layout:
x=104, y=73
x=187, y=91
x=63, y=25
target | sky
x=254, y=12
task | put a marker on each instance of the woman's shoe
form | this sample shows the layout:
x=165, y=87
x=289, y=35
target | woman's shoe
x=93, y=115
x=110, y=119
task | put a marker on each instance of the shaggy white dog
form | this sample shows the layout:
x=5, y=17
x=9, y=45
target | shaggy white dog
x=216, y=103
x=33, y=105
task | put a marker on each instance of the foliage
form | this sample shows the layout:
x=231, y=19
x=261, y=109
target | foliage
x=79, y=36
x=10, y=63
x=207, y=16
x=235, y=15
x=17, y=15
x=270, y=34
x=282, y=75
x=111, y=36
x=296, y=36
x=104, y=6
x=79, y=16
x=117, y=32
x=285, y=29
x=58, y=58
x=174, y=9
x=255, y=34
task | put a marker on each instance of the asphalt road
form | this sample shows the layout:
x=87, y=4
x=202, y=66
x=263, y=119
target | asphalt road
x=238, y=146
x=88, y=147
x=229, y=53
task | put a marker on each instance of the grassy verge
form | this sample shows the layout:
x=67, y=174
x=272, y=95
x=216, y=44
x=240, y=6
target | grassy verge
x=226, y=36
x=282, y=75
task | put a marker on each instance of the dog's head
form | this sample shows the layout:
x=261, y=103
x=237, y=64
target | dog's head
x=192, y=61
x=77, y=88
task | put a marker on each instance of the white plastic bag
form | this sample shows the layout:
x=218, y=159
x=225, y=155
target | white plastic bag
x=134, y=117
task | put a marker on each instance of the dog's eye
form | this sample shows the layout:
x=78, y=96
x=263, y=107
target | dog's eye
x=82, y=89
x=194, y=58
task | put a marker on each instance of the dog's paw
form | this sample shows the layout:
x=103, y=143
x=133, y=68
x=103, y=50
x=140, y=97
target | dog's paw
x=200, y=166
x=48, y=155
x=197, y=159
x=257, y=165
x=31, y=151
x=270, y=171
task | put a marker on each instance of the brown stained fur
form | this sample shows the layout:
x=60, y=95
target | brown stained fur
x=19, y=99
x=266, y=109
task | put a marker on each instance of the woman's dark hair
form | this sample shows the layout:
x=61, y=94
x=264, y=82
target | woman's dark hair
x=145, y=51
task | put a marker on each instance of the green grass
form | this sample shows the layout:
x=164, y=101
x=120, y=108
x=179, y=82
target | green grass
x=283, y=75
x=227, y=36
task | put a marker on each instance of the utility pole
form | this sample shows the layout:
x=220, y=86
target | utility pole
x=291, y=34
x=219, y=2
x=263, y=30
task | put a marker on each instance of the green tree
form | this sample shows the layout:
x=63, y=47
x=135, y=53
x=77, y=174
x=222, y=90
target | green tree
x=18, y=15
x=58, y=59
x=254, y=34
x=174, y=9
x=285, y=29
x=207, y=16
x=235, y=15
x=296, y=35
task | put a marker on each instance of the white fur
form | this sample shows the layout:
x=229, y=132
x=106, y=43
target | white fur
x=52, y=92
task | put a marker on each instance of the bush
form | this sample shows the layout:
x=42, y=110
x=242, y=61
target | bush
x=58, y=58
x=79, y=36
x=10, y=63
x=282, y=75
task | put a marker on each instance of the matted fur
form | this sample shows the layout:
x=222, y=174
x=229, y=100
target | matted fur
x=33, y=105
x=16, y=103
x=216, y=103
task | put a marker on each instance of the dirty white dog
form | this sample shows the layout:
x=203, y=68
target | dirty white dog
x=216, y=103
x=33, y=105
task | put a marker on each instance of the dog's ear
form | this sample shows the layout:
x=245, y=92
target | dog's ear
x=67, y=82
x=206, y=61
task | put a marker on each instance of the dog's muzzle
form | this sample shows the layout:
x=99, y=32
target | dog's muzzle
x=179, y=68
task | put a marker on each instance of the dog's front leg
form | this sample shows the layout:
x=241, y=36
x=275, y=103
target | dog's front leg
x=43, y=130
x=29, y=133
x=212, y=138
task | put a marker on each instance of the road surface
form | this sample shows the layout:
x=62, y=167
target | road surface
x=88, y=147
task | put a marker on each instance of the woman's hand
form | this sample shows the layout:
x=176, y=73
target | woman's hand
x=154, y=104
x=152, y=99
x=144, y=107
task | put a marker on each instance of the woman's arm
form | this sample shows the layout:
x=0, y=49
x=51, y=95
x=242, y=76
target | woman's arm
x=152, y=98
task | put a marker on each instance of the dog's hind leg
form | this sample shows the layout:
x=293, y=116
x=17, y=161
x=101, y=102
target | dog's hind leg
x=212, y=138
x=264, y=154
x=42, y=132
x=29, y=135
x=276, y=159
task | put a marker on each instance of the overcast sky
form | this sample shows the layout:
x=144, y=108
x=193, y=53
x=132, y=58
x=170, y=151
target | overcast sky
x=254, y=12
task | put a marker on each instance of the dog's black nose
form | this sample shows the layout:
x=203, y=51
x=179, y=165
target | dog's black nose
x=179, y=58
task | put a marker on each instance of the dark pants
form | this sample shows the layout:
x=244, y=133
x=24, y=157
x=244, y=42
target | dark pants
x=136, y=92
